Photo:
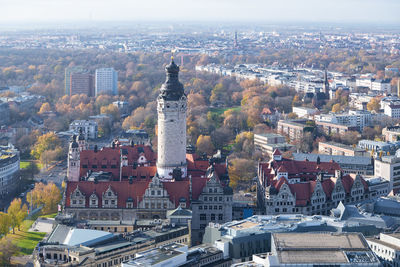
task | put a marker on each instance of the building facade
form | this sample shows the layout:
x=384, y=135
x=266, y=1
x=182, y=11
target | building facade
x=67, y=78
x=332, y=148
x=267, y=143
x=81, y=83
x=388, y=167
x=89, y=128
x=293, y=129
x=291, y=186
x=9, y=170
x=392, y=134
x=387, y=248
x=106, y=81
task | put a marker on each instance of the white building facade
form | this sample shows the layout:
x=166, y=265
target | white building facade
x=106, y=81
x=171, y=108
x=89, y=129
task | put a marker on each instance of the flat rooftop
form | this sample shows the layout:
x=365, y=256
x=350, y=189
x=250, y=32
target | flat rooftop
x=321, y=248
x=269, y=135
x=378, y=241
x=245, y=225
x=318, y=241
x=156, y=255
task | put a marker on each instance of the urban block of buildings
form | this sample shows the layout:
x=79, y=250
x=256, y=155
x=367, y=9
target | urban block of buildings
x=131, y=182
x=293, y=186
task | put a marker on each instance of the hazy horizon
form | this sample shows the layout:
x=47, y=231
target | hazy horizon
x=284, y=11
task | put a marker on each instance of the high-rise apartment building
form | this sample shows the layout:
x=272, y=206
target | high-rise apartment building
x=82, y=83
x=68, y=72
x=106, y=81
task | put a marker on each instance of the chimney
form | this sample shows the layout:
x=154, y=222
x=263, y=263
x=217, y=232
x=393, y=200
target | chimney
x=95, y=148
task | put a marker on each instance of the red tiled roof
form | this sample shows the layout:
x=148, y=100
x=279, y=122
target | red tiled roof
x=347, y=182
x=328, y=185
x=123, y=189
x=266, y=111
x=302, y=193
x=197, y=186
x=276, y=153
x=177, y=190
x=298, y=167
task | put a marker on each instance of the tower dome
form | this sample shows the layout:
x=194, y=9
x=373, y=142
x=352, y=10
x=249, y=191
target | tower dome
x=171, y=89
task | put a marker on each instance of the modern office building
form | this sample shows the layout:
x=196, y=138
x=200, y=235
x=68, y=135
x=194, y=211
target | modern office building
x=106, y=81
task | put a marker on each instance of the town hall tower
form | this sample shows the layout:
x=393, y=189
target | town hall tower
x=171, y=108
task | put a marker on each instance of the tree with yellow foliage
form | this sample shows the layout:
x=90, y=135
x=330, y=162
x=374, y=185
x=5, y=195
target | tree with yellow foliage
x=241, y=170
x=336, y=108
x=45, y=142
x=45, y=108
x=17, y=213
x=5, y=223
x=47, y=196
x=373, y=104
x=205, y=145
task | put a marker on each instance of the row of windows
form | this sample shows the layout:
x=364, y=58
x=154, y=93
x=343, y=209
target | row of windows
x=203, y=217
x=85, y=166
x=211, y=198
x=93, y=202
x=219, y=207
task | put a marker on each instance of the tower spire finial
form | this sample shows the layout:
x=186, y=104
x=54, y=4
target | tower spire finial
x=172, y=54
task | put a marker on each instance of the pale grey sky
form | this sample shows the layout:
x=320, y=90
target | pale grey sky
x=373, y=11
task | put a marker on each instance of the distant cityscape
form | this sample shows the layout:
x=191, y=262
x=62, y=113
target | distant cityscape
x=185, y=145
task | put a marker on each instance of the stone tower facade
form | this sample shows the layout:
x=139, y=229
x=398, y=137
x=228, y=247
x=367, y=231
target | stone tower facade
x=77, y=144
x=171, y=108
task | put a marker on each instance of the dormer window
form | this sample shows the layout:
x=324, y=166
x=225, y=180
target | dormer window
x=109, y=194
